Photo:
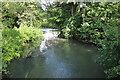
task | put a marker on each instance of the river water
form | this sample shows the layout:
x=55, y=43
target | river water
x=58, y=58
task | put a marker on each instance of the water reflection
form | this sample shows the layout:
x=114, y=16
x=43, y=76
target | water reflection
x=62, y=59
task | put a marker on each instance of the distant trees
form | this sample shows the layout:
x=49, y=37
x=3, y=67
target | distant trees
x=16, y=14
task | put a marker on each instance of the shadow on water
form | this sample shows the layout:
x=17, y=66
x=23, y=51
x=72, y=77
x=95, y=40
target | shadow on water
x=63, y=59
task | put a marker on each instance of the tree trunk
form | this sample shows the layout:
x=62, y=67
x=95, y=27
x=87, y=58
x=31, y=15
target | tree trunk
x=72, y=10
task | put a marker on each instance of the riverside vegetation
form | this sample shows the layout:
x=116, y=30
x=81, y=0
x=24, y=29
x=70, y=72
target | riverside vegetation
x=19, y=28
x=92, y=22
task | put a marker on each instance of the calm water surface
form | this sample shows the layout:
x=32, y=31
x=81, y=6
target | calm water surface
x=62, y=59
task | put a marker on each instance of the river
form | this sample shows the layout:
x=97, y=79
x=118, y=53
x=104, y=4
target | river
x=58, y=58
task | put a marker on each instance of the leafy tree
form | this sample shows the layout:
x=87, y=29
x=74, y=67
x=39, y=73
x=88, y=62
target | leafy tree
x=20, y=21
x=20, y=13
x=97, y=23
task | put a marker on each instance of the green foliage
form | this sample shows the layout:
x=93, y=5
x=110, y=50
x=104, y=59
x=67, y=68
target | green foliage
x=18, y=19
x=14, y=41
x=66, y=32
x=12, y=46
x=16, y=14
x=98, y=24
x=58, y=14
x=113, y=72
x=71, y=26
x=29, y=33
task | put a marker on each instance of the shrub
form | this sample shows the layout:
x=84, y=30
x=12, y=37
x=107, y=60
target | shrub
x=99, y=25
x=14, y=40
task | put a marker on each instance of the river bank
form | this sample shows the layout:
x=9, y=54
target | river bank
x=63, y=58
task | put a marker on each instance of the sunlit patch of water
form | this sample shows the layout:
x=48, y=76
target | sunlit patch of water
x=48, y=35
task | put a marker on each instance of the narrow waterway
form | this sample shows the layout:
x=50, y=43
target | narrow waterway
x=58, y=58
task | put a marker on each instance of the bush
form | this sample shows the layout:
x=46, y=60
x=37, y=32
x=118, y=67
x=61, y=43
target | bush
x=29, y=33
x=99, y=25
x=14, y=40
